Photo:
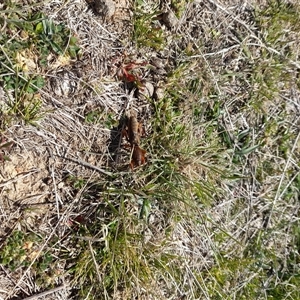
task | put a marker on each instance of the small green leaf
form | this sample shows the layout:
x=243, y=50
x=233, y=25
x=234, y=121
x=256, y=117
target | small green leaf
x=247, y=150
x=145, y=209
x=39, y=81
x=56, y=48
x=243, y=133
x=73, y=41
x=73, y=51
x=39, y=28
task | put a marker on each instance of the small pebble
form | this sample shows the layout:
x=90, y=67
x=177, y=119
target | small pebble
x=105, y=8
x=159, y=93
x=170, y=19
x=147, y=90
x=158, y=65
x=157, y=62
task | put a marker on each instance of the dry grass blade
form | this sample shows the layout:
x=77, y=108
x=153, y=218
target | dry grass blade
x=52, y=291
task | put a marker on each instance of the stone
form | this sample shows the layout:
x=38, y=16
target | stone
x=158, y=65
x=169, y=19
x=157, y=62
x=159, y=93
x=147, y=90
x=105, y=8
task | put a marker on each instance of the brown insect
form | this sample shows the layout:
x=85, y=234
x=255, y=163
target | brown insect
x=133, y=132
x=134, y=129
x=138, y=157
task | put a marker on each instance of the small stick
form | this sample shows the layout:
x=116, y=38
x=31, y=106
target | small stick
x=86, y=164
x=35, y=297
x=18, y=176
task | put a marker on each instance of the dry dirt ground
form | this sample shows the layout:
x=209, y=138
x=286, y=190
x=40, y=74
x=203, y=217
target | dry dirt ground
x=35, y=188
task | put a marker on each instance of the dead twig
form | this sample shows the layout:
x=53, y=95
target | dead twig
x=37, y=296
x=86, y=164
x=18, y=177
